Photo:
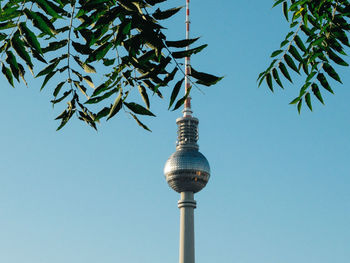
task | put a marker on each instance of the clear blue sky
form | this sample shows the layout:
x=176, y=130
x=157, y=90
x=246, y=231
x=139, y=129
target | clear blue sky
x=279, y=190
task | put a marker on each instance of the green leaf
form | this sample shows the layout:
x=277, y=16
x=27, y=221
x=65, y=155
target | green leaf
x=262, y=76
x=322, y=79
x=269, y=81
x=144, y=95
x=48, y=69
x=108, y=62
x=310, y=76
x=295, y=53
x=159, y=15
x=7, y=25
x=126, y=29
x=61, y=98
x=101, y=98
x=47, y=78
x=304, y=88
x=58, y=88
x=334, y=44
x=43, y=4
x=86, y=67
x=81, y=88
x=291, y=33
x=299, y=43
x=61, y=3
x=9, y=13
x=336, y=58
x=284, y=71
x=62, y=115
x=291, y=63
x=99, y=53
x=308, y=100
x=318, y=41
x=2, y=36
x=18, y=46
x=276, y=53
x=78, y=74
x=278, y=2
x=175, y=92
x=300, y=103
x=30, y=37
x=88, y=118
x=295, y=101
x=11, y=60
x=315, y=56
x=306, y=30
x=102, y=113
x=37, y=55
x=285, y=10
x=103, y=87
x=276, y=77
x=204, y=78
x=55, y=45
x=181, y=43
x=116, y=106
x=340, y=34
x=138, y=109
x=295, y=7
x=82, y=49
x=294, y=24
x=63, y=69
x=41, y=22
x=7, y=72
x=283, y=43
x=64, y=56
x=65, y=119
x=22, y=73
x=170, y=76
x=305, y=67
x=188, y=53
x=89, y=81
x=182, y=100
x=331, y=72
x=317, y=92
x=139, y=122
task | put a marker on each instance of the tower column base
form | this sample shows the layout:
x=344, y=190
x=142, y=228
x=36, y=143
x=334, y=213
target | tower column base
x=187, y=204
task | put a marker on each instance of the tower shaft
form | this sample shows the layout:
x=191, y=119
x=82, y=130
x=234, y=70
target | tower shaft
x=187, y=171
x=186, y=204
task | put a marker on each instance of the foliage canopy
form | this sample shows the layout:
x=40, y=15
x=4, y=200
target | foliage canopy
x=315, y=44
x=122, y=38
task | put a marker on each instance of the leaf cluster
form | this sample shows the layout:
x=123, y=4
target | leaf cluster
x=121, y=40
x=313, y=48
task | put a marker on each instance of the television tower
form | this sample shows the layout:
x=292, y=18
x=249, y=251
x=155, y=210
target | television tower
x=187, y=171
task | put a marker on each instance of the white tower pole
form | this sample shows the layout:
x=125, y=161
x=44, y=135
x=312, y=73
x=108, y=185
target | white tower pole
x=187, y=111
x=186, y=205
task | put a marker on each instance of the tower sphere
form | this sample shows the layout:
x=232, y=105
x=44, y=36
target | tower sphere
x=187, y=170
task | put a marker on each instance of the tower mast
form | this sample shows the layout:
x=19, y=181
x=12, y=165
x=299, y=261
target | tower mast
x=187, y=171
x=187, y=110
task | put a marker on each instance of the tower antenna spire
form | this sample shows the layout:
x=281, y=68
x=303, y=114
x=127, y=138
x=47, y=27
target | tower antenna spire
x=187, y=112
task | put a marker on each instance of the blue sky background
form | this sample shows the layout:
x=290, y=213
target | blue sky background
x=279, y=190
